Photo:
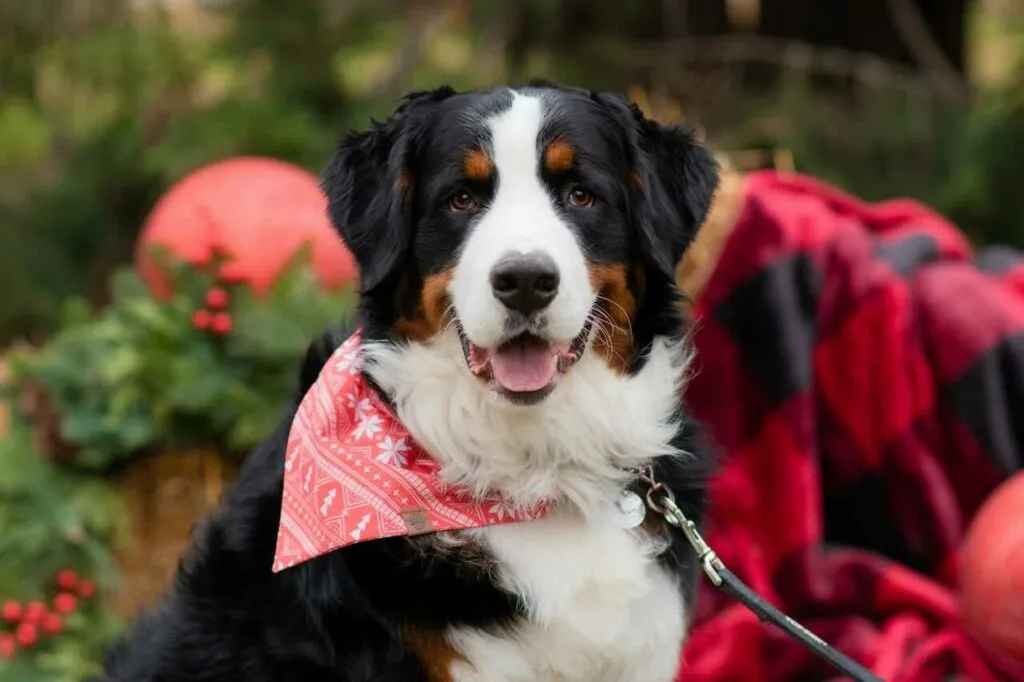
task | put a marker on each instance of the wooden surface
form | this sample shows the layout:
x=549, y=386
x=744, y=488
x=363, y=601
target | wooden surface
x=164, y=497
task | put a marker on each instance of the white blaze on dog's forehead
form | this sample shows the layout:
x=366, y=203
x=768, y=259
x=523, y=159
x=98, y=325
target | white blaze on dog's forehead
x=514, y=141
x=520, y=217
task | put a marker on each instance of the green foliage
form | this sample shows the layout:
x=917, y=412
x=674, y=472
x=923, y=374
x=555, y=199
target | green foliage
x=139, y=376
x=86, y=82
x=53, y=520
x=101, y=122
x=981, y=187
x=886, y=143
x=24, y=135
x=299, y=38
x=240, y=126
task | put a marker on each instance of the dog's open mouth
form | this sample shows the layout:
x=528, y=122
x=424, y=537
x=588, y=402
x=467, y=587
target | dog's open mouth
x=525, y=368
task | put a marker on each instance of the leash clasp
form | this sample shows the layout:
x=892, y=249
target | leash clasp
x=661, y=499
x=707, y=557
x=668, y=508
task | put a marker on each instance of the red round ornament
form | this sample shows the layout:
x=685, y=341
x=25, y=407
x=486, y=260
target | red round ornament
x=257, y=212
x=65, y=603
x=26, y=634
x=12, y=611
x=67, y=579
x=7, y=646
x=992, y=571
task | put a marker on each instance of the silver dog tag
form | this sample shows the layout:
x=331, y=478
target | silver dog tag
x=632, y=509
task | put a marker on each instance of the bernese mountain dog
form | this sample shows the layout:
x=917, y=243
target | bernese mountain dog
x=520, y=319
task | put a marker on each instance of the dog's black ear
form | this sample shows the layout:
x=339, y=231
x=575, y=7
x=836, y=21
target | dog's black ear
x=674, y=179
x=368, y=184
x=676, y=187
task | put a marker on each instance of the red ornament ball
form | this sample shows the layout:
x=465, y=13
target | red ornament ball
x=257, y=212
x=33, y=612
x=65, y=603
x=26, y=634
x=11, y=611
x=67, y=579
x=86, y=588
x=7, y=646
x=217, y=298
x=51, y=624
x=992, y=571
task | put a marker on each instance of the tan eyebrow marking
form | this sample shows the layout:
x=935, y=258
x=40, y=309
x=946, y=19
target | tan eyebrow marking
x=477, y=165
x=559, y=156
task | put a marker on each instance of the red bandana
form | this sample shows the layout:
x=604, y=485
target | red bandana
x=353, y=473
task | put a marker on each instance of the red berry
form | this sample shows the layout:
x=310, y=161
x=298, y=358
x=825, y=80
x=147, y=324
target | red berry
x=65, y=603
x=230, y=273
x=86, y=588
x=67, y=579
x=7, y=646
x=216, y=298
x=11, y=611
x=201, y=319
x=222, y=323
x=26, y=634
x=33, y=612
x=51, y=623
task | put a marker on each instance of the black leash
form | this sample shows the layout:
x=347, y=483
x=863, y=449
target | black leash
x=661, y=500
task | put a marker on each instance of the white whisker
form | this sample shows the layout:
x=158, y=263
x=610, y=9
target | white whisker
x=625, y=313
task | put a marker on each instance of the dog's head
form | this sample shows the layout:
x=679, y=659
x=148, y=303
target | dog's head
x=536, y=224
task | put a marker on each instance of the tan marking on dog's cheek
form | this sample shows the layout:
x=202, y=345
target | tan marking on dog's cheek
x=617, y=304
x=559, y=156
x=434, y=652
x=404, y=182
x=429, y=317
x=477, y=165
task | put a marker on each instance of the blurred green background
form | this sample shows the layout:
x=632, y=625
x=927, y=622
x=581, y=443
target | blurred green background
x=105, y=103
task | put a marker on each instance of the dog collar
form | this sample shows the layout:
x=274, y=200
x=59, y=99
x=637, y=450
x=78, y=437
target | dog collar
x=353, y=473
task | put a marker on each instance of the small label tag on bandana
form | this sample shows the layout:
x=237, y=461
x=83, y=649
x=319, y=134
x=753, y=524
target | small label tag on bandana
x=632, y=509
x=417, y=521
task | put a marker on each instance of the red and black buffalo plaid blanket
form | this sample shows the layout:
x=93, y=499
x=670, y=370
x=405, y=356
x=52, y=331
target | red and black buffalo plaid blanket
x=863, y=373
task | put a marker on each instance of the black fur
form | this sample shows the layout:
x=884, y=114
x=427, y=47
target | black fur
x=340, y=617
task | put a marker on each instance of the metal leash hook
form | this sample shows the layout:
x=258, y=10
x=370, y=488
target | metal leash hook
x=725, y=580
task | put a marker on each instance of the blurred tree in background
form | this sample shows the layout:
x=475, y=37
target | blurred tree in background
x=105, y=103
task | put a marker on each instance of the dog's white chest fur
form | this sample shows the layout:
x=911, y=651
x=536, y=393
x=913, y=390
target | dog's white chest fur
x=600, y=608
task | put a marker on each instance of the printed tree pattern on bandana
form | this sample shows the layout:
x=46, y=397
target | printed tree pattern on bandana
x=353, y=473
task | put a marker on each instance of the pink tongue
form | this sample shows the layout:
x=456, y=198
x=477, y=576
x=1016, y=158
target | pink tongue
x=524, y=368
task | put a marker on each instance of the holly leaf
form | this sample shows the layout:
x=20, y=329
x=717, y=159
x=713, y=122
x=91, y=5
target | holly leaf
x=126, y=284
x=261, y=333
x=197, y=380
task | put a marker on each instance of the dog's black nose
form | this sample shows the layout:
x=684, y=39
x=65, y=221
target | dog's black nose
x=525, y=282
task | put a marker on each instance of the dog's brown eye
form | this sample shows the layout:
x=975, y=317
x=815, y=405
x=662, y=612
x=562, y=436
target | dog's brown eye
x=581, y=197
x=461, y=201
